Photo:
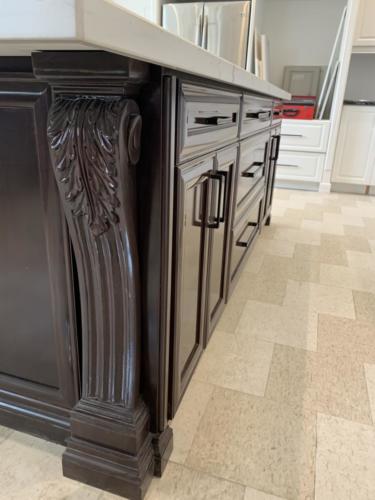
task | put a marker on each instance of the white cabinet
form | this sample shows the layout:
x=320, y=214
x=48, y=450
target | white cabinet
x=303, y=150
x=305, y=135
x=365, y=30
x=300, y=166
x=355, y=153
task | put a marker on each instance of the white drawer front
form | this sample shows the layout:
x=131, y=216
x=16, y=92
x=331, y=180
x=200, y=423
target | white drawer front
x=300, y=166
x=305, y=135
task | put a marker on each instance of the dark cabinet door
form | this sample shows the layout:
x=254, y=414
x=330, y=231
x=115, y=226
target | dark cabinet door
x=193, y=188
x=38, y=358
x=272, y=163
x=219, y=217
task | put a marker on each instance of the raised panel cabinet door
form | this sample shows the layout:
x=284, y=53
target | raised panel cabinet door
x=355, y=153
x=219, y=217
x=365, y=30
x=190, y=263
x=38, y=355
x=302, y=80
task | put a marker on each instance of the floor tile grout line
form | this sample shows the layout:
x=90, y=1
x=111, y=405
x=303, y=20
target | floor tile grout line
x=368, y=393
x=210, y=474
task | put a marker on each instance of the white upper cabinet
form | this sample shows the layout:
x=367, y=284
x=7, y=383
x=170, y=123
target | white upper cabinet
x=355, y=153
x=365, y=30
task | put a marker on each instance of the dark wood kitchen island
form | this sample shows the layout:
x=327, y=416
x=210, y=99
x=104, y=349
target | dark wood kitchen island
x=134, y=181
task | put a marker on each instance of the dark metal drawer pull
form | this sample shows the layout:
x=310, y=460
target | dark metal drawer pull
x=217, y=219
x=224, y=174
x=246, y=244
x=287, y=165
x=291, y=135
x=276, y=139
x=199, y=202
x=263, y=116
x=251, y=173
x=216, y=120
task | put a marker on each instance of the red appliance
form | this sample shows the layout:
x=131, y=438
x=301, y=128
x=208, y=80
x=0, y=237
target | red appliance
x=299, y=108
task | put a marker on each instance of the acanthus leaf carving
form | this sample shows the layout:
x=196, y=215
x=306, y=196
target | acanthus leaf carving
x=83, y=136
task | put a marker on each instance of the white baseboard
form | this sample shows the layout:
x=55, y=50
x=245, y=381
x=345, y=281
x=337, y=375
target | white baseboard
x=325, y=187
x=302, y=185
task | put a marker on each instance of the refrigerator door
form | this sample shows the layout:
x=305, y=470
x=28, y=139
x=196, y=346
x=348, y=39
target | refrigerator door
x=226, y=30
x=184, y=20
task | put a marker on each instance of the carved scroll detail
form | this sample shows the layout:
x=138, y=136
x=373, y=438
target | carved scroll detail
x=83, y=134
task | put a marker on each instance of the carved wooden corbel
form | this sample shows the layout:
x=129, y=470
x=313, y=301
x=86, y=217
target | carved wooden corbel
x=94, y=145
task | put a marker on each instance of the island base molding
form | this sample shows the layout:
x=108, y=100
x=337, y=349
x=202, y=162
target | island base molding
x=163, y=446
x=113, y=455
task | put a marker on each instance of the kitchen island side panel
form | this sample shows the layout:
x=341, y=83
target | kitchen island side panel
x=39, y=379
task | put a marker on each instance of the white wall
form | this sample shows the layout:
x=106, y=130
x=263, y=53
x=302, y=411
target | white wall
x=149, y=9
x=361, y=80
x=301, y=32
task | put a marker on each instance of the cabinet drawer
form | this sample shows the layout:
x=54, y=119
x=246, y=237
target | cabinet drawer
x=256, y=115
x=300, y=166
x=251, y=168
x=207, y=119
x=277, y=113
x=245, y=230
x=300, y=135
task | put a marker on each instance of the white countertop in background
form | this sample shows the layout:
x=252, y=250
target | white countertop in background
x=29, y=25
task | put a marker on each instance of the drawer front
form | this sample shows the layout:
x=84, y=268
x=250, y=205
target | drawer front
x=302, y=135
x=251, y=168
x=245, y=231
x=277, y=113
x=300, y=166
x=207, y=119
x=256, y=115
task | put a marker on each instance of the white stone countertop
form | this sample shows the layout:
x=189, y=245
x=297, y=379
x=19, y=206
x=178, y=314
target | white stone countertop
x=29, y=25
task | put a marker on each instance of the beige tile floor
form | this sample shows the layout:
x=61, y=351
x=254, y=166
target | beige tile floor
x=282, y=405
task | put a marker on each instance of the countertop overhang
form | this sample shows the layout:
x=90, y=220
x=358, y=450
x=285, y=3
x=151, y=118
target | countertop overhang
x=33, y=25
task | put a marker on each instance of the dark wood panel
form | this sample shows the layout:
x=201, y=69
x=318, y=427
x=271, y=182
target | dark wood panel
x=28, y=347
x=38, y=355
x=193, y=187
x=221, y=200
x=155, y=176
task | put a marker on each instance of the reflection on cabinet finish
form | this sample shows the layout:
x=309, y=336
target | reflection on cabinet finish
x=208, y=118
x=193, y=186
x=220, y=199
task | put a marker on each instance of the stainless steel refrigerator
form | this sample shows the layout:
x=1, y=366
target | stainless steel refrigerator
x=220, y=27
